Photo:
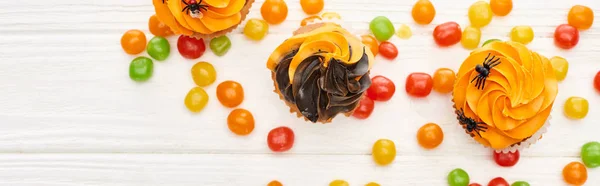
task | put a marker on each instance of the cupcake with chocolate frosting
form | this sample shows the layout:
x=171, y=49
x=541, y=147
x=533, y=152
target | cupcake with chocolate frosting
x=504, y=95
x=321, y=71
x=202, y=18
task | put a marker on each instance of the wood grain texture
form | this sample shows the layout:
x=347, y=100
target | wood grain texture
x=64, y=88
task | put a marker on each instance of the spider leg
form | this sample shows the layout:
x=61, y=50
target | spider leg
x=185, y=9
x=476, y=131
x=486, y=58
x=488, y=62
x=474, y=78
x=204, y=8
x=184, y=2
x=478, y=84
x=495, y=63
x=483, y=85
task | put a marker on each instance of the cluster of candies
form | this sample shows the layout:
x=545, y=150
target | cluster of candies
x=575, y=173
x=459, y=177
x=580, y=17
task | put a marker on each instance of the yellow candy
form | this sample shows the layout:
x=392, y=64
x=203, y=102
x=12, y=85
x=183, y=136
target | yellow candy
x=331, y=15
x=203, y=74
x=480, y=14
x=404, y=32
x=561, y=67
x=339, y=183
x=372, y=184
x=470, y=37
x=196, y=99
x=521, y=34
x=576, y=107
x=384, y=151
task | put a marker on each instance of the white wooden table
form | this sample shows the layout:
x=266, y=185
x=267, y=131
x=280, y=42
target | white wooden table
x=70, y=115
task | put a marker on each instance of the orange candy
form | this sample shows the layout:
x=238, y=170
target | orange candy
x=430, y=136
x=274, y=11
x=312, y=6
x=240, y=122
x=501, y=7
x=581, y=17
x=423, y=12
x=443, y=80
x=309, y=19
x=158, y=28
x=133, y=42
x=275, y=183
x=230, y=93
x=371, y=42
x=575, y=173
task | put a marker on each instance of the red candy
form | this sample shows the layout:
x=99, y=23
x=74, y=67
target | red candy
x=419, y=84
x=498, y=181
x=597, y=81
x=566, y=36
x=382, y=89
x=190, y=48
x=447, y=34
x=280, y=139
x=508, y=159
x=388, y=50
x=364, y=109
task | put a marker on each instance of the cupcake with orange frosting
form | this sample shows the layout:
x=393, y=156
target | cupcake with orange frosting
x=202, y=18
x=321, y=71
x=504, y=95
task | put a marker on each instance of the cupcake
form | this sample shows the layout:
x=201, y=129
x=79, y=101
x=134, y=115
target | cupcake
x=504, y=95
x=202, y=18
x=321, y=71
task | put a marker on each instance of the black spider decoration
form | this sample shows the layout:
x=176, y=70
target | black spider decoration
x=194, y=7
x=470, y=124
x=484, y=70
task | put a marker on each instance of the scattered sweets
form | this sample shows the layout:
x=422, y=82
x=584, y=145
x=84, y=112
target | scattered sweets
x=430, y=136
x=576, y=107
x=158, y=28
x=274, y=183
x=575, y=173
x=423, y=12
x=458, y=177
x=256, y=29
x=158, y=48
x=274, y=11
x=489, y=41
x=566, y=36
x=133, y=42
x=310, y=19
x=597, y=81
x=339, y=183
x=581, y=17
x=498, y=181
x=404, y=31
x=190, y=47
x=470, y=37
x=196, y=99
x=388, y=50
x=203, y=74
x=365, y=108
x=371, y=42
x=447, y=34
x=590, y=154
x=331, y=15
x=443, y=80
x=419, y=84
x=520, y=183
x=220, y=45
x=280, y=139
x=240, y=122
x=312, y=6
x=521, y=34
x=384, y=151
x=230, y=93
x=561, y=67
x=381, y=89
x=372, y=184
x=480, y=14
x=501, y=7
x=382, y=28
x=507, y=159
x=141, y=69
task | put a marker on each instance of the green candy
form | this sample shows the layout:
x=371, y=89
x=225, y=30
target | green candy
x=220, y=45
x=489, y=41
x=458, y=177
x=590, y=154
x=520, y=183
x=141, y=69
x=159, y=48
x=382, y=28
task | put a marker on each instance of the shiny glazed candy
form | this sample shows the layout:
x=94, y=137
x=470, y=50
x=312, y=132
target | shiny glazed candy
x=480, y=14
x=430, y=136
x=384, y=151
x=581, y=17
x=274, y=11
x=240, y=122
x=141, y=69
x=443, y=80
x=230, y=93
x=590, y=154
x=423, y=12
x=280, y=139
x=256, y=29
x=501, y=7
x=196, y=99
x=159, y=48
x=133, y=42
x=561, y=67
x=220, y=45
x=382, y=28
x=575, y=173
x=576, y=107
x=447, y=34
x=458, y=177
x=419, y=84
x=339, y=183
x=522, y=34
x=190, y=48
x=470, y=37
x=203, y=74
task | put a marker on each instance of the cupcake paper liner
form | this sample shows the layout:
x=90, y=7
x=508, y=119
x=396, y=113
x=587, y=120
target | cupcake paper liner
x=244, y=12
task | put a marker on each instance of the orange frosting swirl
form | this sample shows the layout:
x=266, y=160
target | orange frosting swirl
x=219, y=15
x=517, y=97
